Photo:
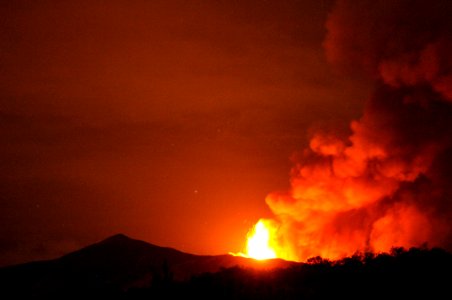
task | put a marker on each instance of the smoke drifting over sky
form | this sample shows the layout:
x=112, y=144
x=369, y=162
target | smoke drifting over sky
x=170, y=121
x=388, y=183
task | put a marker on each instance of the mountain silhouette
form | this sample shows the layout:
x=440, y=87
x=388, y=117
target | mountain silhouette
x=123, y=268
x=114, y=265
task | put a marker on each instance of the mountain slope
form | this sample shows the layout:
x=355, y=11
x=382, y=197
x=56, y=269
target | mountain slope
x=114, y=264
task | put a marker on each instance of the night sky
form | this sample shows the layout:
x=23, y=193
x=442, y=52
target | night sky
x=168, y=121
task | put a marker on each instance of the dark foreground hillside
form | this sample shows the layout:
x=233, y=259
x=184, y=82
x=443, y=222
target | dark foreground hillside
x=124, y=268
x=112, y=267
x=412, y=274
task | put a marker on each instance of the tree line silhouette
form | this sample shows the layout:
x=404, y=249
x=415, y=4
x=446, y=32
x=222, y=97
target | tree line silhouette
x=415, y=273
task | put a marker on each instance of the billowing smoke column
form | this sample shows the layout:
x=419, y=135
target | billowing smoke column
x=390, y=183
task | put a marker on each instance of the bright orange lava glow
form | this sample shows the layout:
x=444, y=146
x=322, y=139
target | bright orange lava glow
x=260, y=241
x=258, y=244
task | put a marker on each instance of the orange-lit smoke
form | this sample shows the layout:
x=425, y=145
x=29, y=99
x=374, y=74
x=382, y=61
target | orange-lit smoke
x=389, y=183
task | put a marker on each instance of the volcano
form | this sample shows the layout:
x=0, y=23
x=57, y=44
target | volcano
x=117, y=264
x=120, y=267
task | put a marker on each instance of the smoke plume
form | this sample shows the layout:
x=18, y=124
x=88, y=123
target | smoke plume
x=389, y=183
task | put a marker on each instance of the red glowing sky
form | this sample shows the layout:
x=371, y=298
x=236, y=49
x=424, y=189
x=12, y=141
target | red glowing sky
x=169, y=121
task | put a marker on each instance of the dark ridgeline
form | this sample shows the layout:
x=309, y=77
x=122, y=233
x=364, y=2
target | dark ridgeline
x=123, y=268
x=403, y=274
